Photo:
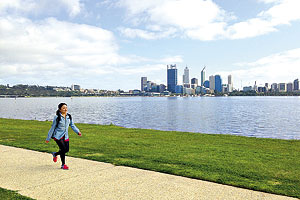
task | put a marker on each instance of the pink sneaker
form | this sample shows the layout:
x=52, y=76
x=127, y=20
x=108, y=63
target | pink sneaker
x=54, y=157
x=64, y=167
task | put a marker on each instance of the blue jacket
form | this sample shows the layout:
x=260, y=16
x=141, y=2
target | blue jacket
x=62, y=128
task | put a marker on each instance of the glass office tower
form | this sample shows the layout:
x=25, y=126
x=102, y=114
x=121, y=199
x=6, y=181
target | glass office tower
x=218, y=83
x=143, y=83
x=171, y=78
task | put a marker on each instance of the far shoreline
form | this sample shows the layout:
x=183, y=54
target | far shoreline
x=19, y=97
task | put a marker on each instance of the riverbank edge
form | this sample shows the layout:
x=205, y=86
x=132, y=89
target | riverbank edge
x=11, y=194
x=147, y=130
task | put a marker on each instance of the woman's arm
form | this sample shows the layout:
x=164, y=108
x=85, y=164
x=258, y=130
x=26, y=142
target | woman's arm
x=74, y=128
x=51, y=131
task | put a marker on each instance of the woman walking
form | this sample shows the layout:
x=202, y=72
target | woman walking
x=59, y=132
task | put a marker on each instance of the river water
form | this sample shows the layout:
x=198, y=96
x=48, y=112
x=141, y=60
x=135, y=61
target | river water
x=266, y=117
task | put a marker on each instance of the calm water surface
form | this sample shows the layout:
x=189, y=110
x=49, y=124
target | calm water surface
x=268, y=117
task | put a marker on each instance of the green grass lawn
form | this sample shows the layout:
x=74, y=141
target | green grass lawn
x=268, y=165
x=11, y=195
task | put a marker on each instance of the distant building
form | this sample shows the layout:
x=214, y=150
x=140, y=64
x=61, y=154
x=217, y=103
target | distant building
x=188, y=91
x=154, y=87
x=198, y=89
x=262, y=89
x=289, y=87
x=212, y=83
x=282, y=87
x=186, y=85
x=274, y=87
x=206, y=84
x=194, y=83
x=136, y=92
x=218, y=83
x=162, y=88
x=215, y=83
x=203, y=76
x=267, y=85
x=296, y=85
x=149, y=86
x=230, y=84
x=224, y=88
x=75, y=87
x=186, y=76
x=178, y=89
x=171, y=77
x=247, y=88
x=255, y=87
x=143, y=83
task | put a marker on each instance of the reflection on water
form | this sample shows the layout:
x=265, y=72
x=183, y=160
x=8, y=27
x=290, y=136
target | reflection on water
x=273, y=117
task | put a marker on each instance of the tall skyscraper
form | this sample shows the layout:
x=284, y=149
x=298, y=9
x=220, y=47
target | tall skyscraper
x=143, y=83
x=218, y=83
x=203, y=76
x=230, y=84
x=296, y=85
x=255, y=87
x=212, y=83
x=171, y=77
x=186, y=76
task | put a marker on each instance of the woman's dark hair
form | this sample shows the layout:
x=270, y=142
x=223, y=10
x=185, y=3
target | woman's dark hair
x=59, y=107
x=58, y=113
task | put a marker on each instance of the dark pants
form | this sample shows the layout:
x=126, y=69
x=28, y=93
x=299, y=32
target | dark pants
x=63, y=149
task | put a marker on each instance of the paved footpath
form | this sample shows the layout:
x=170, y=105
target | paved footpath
x=35, y=175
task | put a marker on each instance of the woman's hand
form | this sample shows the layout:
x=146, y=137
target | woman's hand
x=79, y=134
x=47, y=141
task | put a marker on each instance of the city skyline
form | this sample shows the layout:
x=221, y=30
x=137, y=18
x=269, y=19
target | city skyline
x=111, y=44
x=214, y=84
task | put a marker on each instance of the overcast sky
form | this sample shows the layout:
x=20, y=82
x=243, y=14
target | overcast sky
x=111, y=44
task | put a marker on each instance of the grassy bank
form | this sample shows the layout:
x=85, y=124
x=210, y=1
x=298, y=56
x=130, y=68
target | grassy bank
x=11, y=195
x=260, y=164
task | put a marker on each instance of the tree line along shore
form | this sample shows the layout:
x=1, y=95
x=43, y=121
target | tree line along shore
x=53, y=91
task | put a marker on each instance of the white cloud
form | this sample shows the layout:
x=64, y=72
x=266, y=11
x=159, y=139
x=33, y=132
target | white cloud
x=144, y=69
x=165, y=18
x=50, y=7
x=211, y=31
x=203, y=20
x=57, y=52
x=135, y=7
x=186, y=14
x=284, y=12
x=249, y=28
x=269, y=1
x=276, y=68
x=45, y=50
x=172, y=59
x=73, y=6
x=51, y=47
x=138, y=33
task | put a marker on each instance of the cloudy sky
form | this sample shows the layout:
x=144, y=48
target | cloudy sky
x=111, y=44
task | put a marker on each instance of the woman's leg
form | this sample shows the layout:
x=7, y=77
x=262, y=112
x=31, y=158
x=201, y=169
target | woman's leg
x=63, y=149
